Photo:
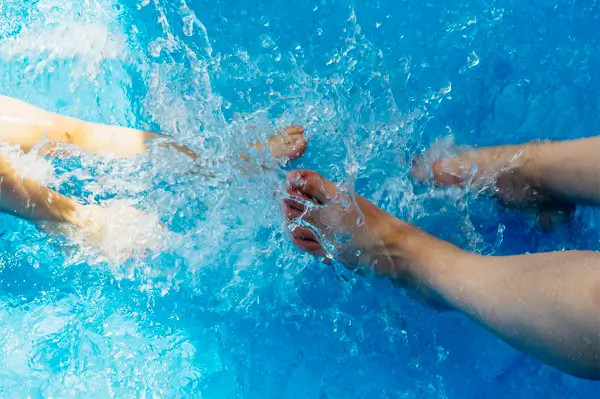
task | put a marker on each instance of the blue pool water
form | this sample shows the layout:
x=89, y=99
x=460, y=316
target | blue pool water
x=227, y=308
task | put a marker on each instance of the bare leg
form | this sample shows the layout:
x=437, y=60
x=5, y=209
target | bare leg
x=537, y=173
x=545, y=305
x=119, y=232
x=29, y=200
x=25, y=125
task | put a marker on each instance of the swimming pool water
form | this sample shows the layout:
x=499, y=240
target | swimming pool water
x=227, y=308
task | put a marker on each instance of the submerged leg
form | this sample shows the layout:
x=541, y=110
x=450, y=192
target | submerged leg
x=535, y=173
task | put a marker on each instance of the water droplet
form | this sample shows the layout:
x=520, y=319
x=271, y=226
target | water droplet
x=188, y=25
x=155, y=49
x=472, y=60
x=447, y=89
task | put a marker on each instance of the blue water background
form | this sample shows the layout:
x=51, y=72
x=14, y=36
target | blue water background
x=232, y=310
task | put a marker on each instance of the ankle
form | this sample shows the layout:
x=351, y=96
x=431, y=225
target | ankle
x=417, y=257
x=402, y=244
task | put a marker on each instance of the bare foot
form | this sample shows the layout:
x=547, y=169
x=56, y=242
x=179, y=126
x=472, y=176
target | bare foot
x=290, y=144
x=507, y=172
x=326, y=221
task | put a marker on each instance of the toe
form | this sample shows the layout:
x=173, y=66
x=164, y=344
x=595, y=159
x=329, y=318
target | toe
x=294, y=130
x=289, y=143
x=311, y=247
x=311, y=186
x=299, y=148
x=292, y=209
x=294, y=203
x=304, y=233
x=306, y=240
x=296, y=146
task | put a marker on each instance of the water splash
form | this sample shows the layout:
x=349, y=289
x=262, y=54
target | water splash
x=216, y=78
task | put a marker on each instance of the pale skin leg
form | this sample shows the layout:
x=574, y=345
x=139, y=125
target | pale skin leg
x=29, y=200
x=25, y=125
x=547, y=305
x=547, y=173
x=84, y=224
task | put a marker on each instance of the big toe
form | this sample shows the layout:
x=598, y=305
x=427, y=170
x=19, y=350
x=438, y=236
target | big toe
x=311, y=186
x=307, y=240
x=293, y=130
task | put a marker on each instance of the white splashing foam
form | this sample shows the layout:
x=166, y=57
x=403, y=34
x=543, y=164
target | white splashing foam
x=90, y=43
x=109, y=344
x=86, y=31
x=29, y=165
